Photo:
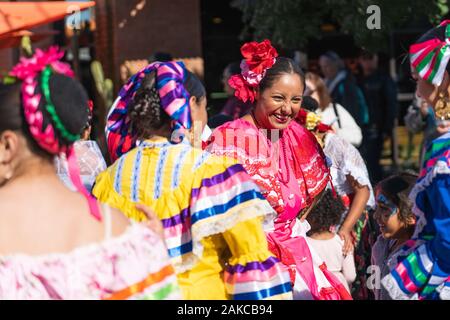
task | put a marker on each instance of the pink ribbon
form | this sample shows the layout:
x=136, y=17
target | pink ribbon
x=74, y=174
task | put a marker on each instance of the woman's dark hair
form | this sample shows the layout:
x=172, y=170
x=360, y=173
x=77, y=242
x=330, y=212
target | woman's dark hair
x=397, y=189
x=88, y=123
x=67, y=95
x=282, y=66
x=145, y=110
x=194, y=86
x=234, y=68
x=310, y=104
x=326, y=213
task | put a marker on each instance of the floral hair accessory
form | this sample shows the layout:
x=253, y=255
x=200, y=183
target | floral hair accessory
x=312, y=121
x=258, y=57
x=27, y=71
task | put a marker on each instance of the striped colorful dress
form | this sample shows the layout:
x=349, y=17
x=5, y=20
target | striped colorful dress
x=424, y=273
x=212, y=214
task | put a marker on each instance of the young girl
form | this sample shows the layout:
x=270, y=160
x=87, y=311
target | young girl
x=351, y=181
x=396, y=222
x=327, y=244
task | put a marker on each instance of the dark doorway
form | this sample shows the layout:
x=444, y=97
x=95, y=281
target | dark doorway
x=221, y=27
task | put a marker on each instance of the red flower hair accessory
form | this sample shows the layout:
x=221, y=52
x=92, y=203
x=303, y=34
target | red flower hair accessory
x=258, y=57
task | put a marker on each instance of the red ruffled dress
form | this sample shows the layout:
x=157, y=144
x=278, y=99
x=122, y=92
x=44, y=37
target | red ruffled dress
x=290, y=168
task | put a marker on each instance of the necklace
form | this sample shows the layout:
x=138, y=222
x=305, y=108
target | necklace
x=283, y=146
x=252, y=113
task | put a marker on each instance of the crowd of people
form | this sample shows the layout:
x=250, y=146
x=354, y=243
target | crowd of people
x=283, y=199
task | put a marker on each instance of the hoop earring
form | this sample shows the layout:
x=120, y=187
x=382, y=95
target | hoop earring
x=442, y=108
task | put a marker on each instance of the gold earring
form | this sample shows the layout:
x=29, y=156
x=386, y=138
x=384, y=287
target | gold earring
x=442, y=108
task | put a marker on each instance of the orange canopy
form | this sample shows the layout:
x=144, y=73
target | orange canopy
x=15, y=16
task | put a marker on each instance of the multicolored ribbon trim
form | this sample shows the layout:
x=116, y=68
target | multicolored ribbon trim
x=430, y=58
x=159, y=277
x=174, y=101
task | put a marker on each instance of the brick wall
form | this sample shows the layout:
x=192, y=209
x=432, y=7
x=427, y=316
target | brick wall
x=128, y=30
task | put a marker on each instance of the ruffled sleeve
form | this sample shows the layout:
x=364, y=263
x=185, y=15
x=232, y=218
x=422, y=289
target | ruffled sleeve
x=90, y=162
x=134, y=265
x=252, y=272
x=222, y=196
x=347, y=160
x=105, y=192
x=425, y=272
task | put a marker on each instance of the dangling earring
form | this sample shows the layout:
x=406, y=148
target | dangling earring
x=442, y=108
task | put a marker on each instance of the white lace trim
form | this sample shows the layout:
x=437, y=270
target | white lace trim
x=440, y=167
x=392, y=287
x=394, y=290
x=130, y=233
x=444, y=292
x=346, y=160
x=198, y=233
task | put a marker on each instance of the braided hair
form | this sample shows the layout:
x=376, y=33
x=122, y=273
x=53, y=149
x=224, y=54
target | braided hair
x=145, y=111
x=69, y=99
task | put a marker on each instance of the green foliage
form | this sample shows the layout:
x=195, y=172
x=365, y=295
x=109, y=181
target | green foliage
x=104, y=86
x=25, y=44
x=290, y=23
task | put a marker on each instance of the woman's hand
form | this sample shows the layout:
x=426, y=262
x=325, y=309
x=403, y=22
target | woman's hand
x=152, y=220
x=361, y=196
x=349, y=239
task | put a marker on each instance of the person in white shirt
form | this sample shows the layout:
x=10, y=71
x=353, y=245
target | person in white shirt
x=327, y=244
x=331, y=113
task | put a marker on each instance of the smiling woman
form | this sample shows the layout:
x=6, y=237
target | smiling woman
x=278, y=104
x=283, y=158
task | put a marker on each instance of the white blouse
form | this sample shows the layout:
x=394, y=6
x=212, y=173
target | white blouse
x=349, y=130
x=346, y=160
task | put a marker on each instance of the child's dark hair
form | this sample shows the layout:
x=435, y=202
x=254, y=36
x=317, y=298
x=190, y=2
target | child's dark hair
x=397, y=189
x=282, y=66
x=145, y=110
x=326, y=213
x=89, y=119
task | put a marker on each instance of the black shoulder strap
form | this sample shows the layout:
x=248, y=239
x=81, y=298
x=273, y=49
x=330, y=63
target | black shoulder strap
x=337, y=114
